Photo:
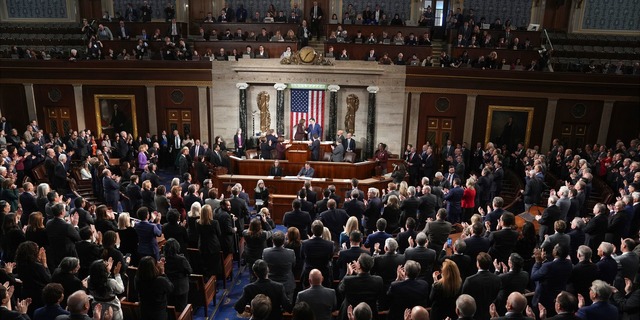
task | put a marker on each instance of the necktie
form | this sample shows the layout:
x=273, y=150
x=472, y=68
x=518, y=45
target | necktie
x=315, y=12
x=173, y=30
x=177, y=143
x=451, y=179
x=197, y=149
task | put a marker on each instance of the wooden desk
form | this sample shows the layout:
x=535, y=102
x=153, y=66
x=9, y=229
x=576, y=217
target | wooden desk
x=275, y=49
x=352, y=30
x=323, y=169
x=525, y=56
x=279, y=204
x=357, y=51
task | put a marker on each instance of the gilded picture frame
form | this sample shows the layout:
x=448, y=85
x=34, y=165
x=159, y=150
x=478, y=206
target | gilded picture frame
x=500, y=130
x=115, y=113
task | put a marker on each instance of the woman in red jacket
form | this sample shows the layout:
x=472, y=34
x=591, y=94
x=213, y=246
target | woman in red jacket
x=468, y=199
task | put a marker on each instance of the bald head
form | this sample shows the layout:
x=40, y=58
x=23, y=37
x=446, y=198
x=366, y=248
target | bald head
x=465, y=306
x=315, y=277
x=78, y=302
x=419, y=313
x=516, y=302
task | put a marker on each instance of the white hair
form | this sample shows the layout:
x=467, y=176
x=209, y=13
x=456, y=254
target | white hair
x=62, y=157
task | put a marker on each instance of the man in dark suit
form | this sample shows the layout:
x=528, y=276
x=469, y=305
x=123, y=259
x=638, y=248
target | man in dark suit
x=454, y=198
x=276, y=169
x=111, y=187
x=607, y=266
x=227, y=227
x=414, y=164
x=378, y=237
x=312, y=196
x=152, y=176
x=61, y=235
x=428, y=163
x=407, y=291
x=360, y=286
x=317, y=254
x=306, y=171
x=601, y=308
x=183, y=163
x=385, y=265
x=281, y=261
x=438, y=231
x=493, y=217
x=351, y=254
x=532, y=190
x=559, y=237
x=316, y=16
x=263, y=285
x=27, y=202
x=239, y=208
x=627, y=262
x=60, y=183
x=596, y=227
x=321, y=205
x=354, y=187
x=354, y=207
x=409, y=206
x=498, y=176
x=483, y=286
x=619, y=221
x=334, y=219
x=409, y=231
x=192, y=197
x=477, y=242
x=550, y=277
x=583, y=274
x=299, y=219
x=513, y=279
x=123, y=33
x=503, y=241
x=322, y=300
x=424, y=256
x=427, y=206
x=372, y=210
x=349, y=143
x=174, y=31
x=315, y=148
x=549, y=216
x=515, y=306
x=20, y=312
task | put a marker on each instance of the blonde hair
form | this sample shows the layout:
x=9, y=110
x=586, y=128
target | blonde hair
x=264, y=211
x=195, y=210
x=404, y=189
x=351, y=225
x=146, y=185
x=471, y=182
x=206, y=215
x=450, y=280
x=124, y=220
x=326, y=234
x=175, y=182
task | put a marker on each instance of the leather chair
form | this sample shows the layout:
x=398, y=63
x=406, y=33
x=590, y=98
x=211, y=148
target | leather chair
x=251, y=154
x=349, y=157
x=326, y=156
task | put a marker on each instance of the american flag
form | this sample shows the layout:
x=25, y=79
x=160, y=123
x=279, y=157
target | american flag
x=306, y=104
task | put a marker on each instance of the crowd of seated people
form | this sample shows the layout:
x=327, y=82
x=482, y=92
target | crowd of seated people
x=341, y=35
x=392, y=245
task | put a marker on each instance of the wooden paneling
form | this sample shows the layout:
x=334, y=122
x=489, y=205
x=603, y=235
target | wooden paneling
x=323, y=169
x=455, y=111
x=482, y=110
x=358, y=51
x=46, y=96
x=352, y=30
x=556, y=15
x=13, y=104
x=140, y=92
x=583, y=126
x=246, y=27
x=624, y=122
x=198, y=9
x=533, y=36
x=90, y=9
x=274, y=49
x=168, y=98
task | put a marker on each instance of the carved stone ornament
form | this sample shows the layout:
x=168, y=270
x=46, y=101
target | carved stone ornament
x=307, y=55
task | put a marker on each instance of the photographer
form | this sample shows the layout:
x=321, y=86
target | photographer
x=399, y=172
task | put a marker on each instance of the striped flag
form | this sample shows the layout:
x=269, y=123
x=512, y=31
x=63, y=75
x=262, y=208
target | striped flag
x=306, y=104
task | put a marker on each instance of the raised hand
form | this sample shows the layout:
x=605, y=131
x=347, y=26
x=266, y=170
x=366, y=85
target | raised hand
x=109, y=263
x=97, y=312
x=543, y=311
x=493, y=311
x=23, y=305
x=117, y=268
x=580, y=301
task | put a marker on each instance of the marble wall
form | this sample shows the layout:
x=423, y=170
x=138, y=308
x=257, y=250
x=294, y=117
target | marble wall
x=353, y=78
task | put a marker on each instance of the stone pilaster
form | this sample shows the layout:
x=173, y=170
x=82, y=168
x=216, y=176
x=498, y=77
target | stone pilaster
x=280, y=107
x=333, y=113
x=242, y=107
x=367, y=151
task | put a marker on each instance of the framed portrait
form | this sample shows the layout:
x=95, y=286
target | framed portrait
x=509, y=125
x=115, y=113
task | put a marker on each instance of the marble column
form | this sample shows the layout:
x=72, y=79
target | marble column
x=280, y=108
x=605, y=122
x=549, y=122
x=31, y=102
x=469, y=119
x=333, y=113
x=367, y=151
x=202, y=112
x=242, y=107
x=151, y=109
x=77, y=95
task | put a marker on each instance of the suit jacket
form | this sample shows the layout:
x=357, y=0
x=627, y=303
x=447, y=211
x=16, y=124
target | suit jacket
x=322, y=301
x=372, y=213
x=564, y=204
x=503, y=242
x=514, y=316
x=406, y=295
x=582, y=275
x=427, y=207
x=549, y=216
x=386, y=266
x=300, y=220
x=532, y=191
x=511, y=281
x=454, y=197
x=62, y=237
x=476, y=244
x=317, y=254
x=595, y=231
x=557, y=238
x=306, y=172
x=270, y=288
x=483, y=287
x=628, y=264
x=598, y=310
x=354, y=208
x=376, y=237
x=493, y=217
x=551, y=278
x=361, y=288
x=315, y=150
x=334, y=220
x=147, y=242
x=409, y=208
x=29, y=205
x=437, y=233
x=618, y=224
x=337, y=154
x=183, y=165
x=281, y=262
x=60, y=177
x=349, y=144
x=425, y=257
x=607, y=269
x=275, y=171
x=348, y=255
